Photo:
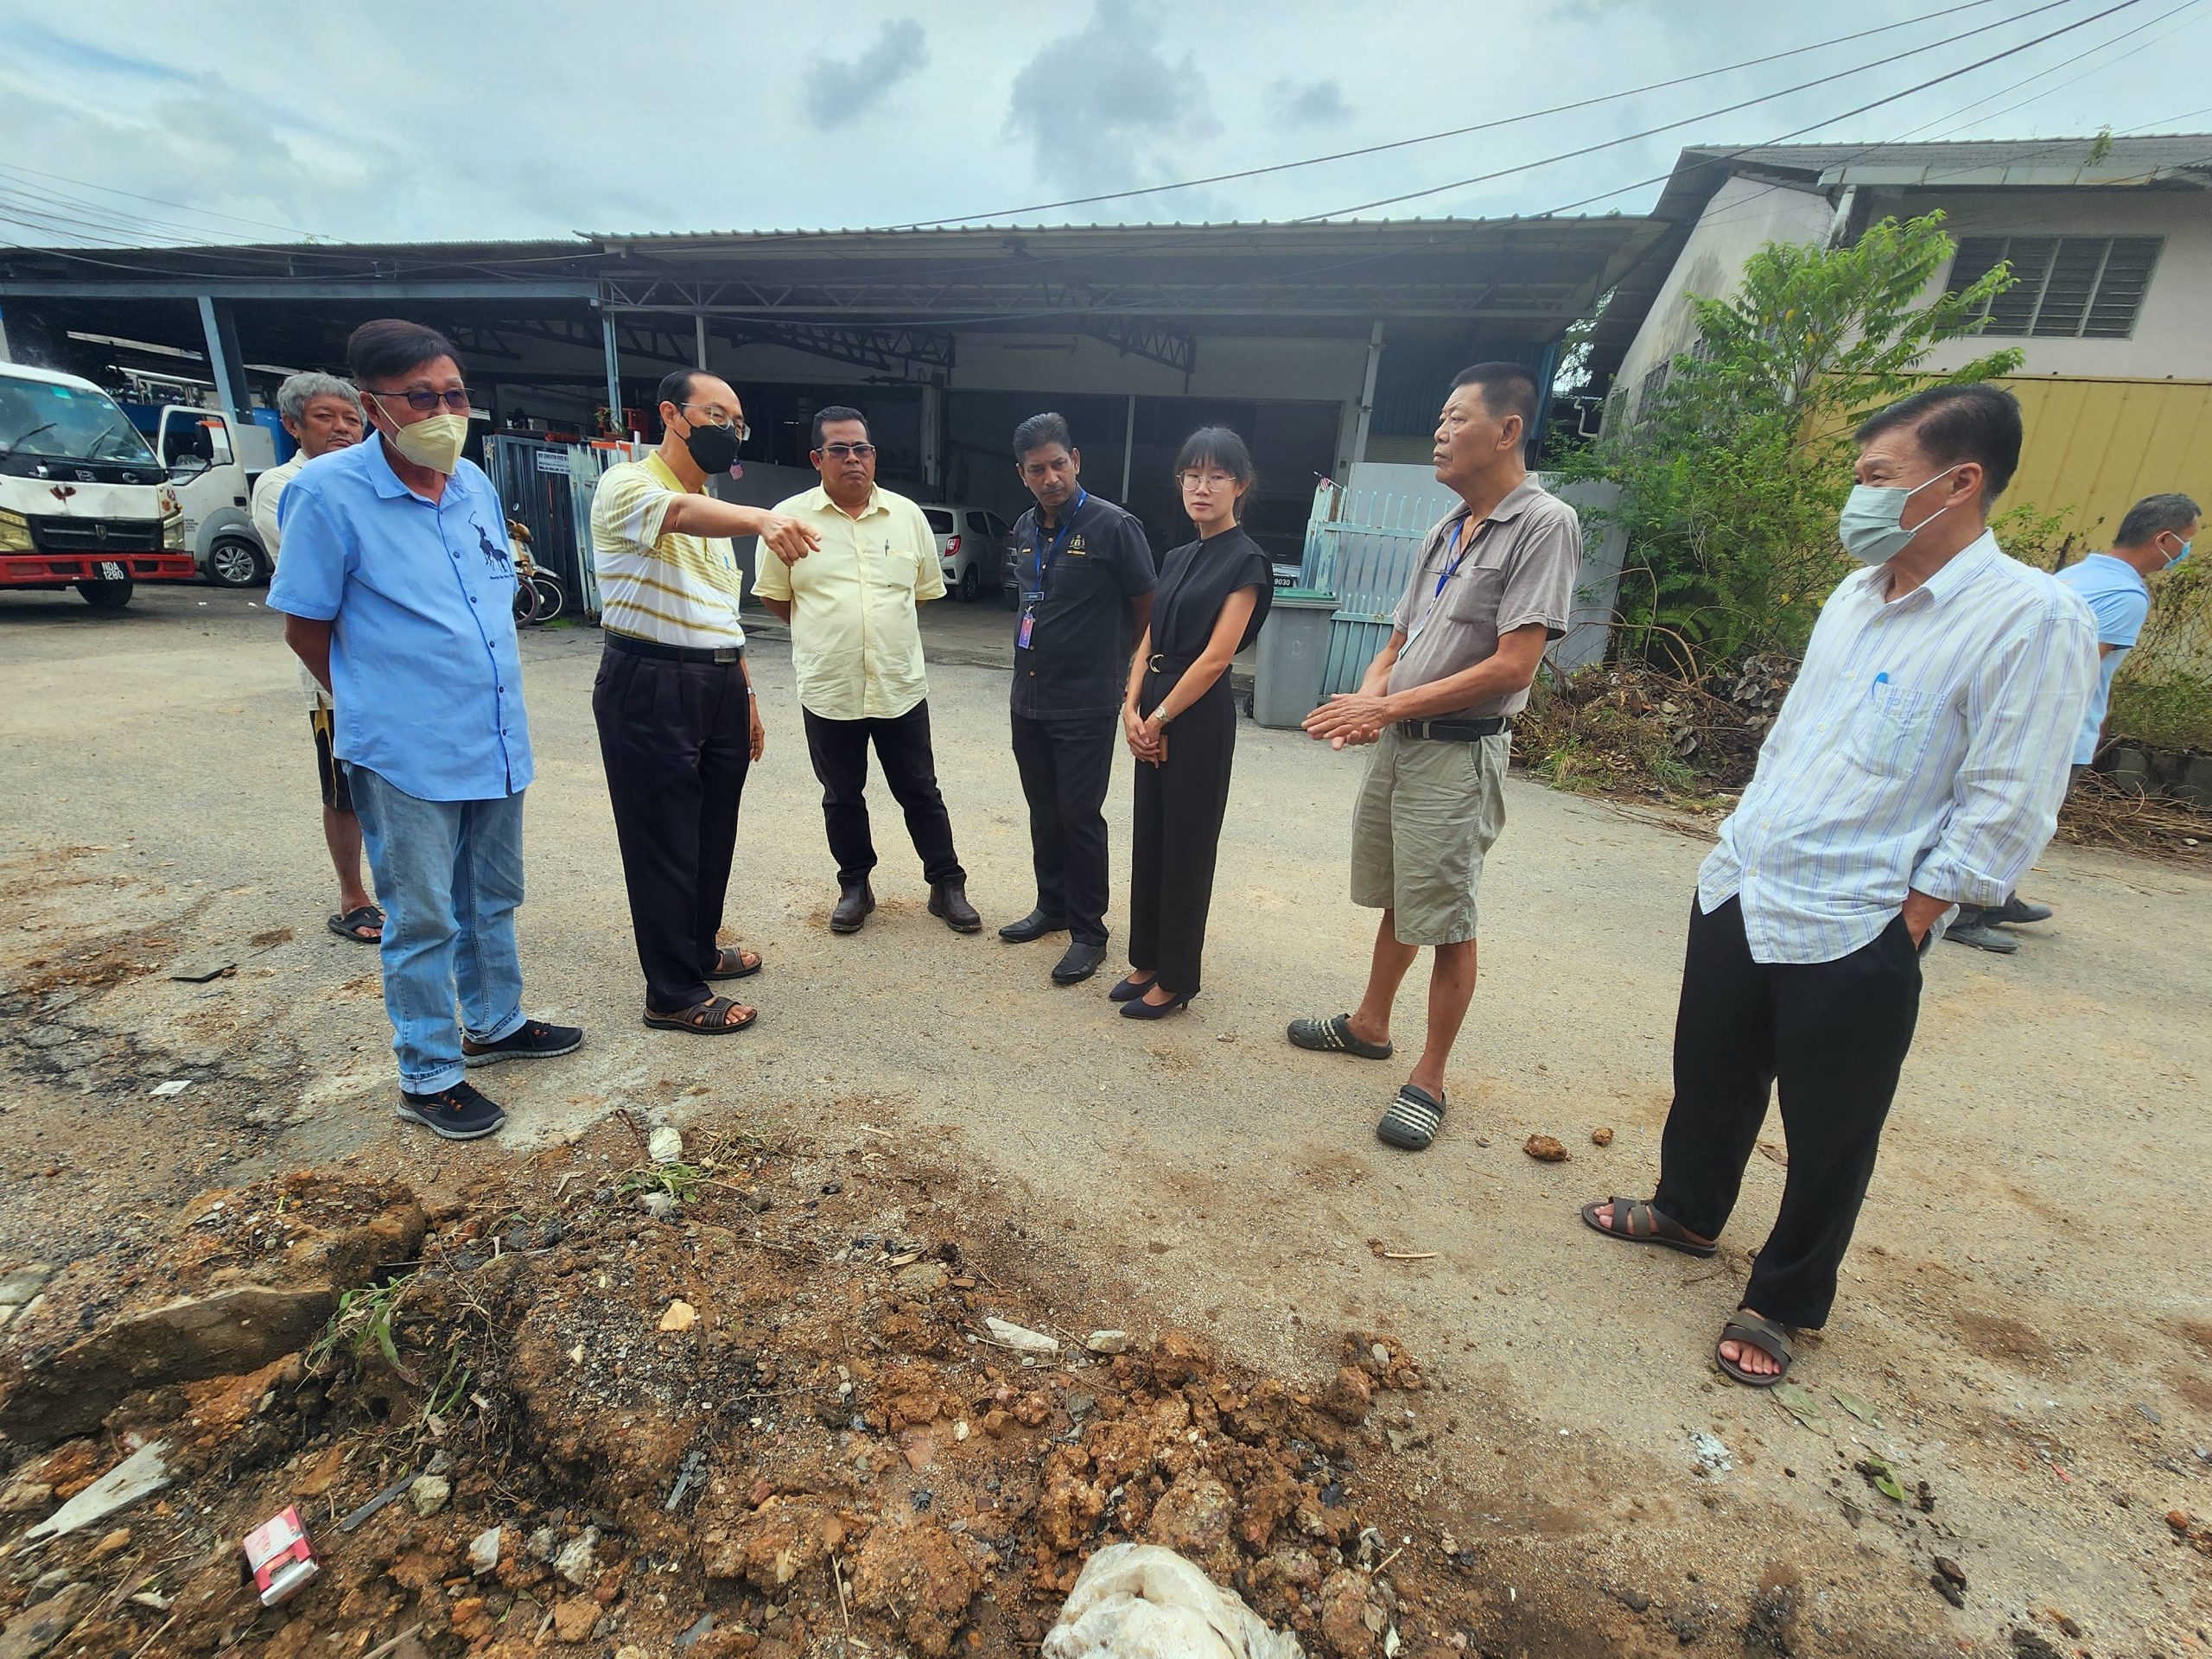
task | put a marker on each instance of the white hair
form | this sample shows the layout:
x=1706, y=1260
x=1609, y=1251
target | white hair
x=293, y=396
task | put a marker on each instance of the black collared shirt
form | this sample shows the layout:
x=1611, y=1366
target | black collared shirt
x=1077, y=659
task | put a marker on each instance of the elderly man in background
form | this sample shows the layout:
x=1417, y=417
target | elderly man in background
x=323, y=414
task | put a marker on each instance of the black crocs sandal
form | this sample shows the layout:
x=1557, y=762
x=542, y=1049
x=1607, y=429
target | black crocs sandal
x=1412, y=1122
x=1763, y=1334
x=349, y=925
x=707, y=1019
x=1635, y=1221
x=1334, y=1036
x=731, y=964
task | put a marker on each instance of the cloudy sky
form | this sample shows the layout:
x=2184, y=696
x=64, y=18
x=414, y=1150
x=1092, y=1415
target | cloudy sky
x=407, y=121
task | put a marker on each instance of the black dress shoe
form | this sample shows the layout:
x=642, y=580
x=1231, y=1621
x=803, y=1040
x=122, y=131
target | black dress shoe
x=949, y=899
x=1080, y=963
x=852, y=909
x=1035, y=925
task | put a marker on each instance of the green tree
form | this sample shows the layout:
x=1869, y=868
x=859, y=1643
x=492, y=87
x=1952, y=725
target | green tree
x=1731, y=472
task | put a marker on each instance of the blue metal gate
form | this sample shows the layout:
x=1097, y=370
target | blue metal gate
x=1362, y=545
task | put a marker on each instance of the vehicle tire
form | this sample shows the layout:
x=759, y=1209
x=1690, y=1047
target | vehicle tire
x=551, y=598
x=525, y=604
x=971, y=586
x=234, y=563
x=105, y=594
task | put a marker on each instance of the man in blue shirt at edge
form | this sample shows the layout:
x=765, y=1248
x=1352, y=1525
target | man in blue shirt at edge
x=2155, y=534
x=398, y=589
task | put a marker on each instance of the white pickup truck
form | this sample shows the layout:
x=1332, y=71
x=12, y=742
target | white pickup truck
x=212, y=461
x=84, y=501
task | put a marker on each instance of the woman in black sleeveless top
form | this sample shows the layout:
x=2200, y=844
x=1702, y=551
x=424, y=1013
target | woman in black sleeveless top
x=1181, y=723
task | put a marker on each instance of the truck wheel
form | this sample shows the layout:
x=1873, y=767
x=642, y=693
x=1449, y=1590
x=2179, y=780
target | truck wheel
x=106, y=595
x=234, y=563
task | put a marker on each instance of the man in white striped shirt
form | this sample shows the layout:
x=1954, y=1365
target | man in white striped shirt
x=1918, y=763
x=678, y=725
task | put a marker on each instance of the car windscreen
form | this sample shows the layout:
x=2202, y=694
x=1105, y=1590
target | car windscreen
x=38, y=417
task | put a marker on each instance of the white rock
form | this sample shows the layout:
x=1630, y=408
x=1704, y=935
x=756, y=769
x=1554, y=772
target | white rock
x=1138, y=1601
x=484, y=1551
x=664, y=1145
x=576, y=1560
x=1107, y=1342
x=1021, y=1337
x=430, y=1493
x=144, y=1471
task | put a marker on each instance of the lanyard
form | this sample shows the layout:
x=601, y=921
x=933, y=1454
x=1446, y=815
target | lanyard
x=1457, y=555
x=1059, y=537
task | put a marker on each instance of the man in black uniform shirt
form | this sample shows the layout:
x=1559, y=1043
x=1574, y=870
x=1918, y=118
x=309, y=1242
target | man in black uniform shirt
x=1086, y=576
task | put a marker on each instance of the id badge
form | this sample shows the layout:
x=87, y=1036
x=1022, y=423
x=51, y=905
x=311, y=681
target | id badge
x=1028, y=626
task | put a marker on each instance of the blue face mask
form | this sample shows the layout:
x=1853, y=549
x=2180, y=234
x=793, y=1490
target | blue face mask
x=2179, y=556
x=1868, y=525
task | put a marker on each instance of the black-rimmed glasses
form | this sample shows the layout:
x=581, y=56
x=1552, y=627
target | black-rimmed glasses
x=423, y=402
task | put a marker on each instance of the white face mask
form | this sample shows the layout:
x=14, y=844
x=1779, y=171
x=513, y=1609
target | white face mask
x=433, y=441
x=1868, y=524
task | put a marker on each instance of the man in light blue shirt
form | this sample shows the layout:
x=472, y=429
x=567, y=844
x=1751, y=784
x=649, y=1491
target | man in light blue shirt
x=2156, y=533
x=398, y=588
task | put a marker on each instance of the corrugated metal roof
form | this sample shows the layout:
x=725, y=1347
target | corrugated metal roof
x=2124, y=157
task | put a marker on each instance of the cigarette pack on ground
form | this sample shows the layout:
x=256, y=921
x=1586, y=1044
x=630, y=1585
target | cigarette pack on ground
x=281, y=1557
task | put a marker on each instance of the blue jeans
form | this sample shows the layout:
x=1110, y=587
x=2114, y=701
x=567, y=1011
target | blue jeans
x=448, y=876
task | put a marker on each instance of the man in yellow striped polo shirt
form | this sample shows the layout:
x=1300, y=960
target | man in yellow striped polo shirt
x=679, y=725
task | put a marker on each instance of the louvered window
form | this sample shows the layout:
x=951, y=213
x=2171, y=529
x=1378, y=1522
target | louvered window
x=2064, y=287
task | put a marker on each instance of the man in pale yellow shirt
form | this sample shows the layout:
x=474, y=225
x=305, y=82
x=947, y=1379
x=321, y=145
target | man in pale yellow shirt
x=856, y=649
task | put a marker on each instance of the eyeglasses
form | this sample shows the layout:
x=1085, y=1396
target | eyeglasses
x=842, y=451
x=717, y=418
x=423, y=402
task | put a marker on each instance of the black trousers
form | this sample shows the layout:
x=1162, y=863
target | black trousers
x=1176, y=834
x=1833, y=1036
x=1066, y=765
x=676, y=739
x=839, y=750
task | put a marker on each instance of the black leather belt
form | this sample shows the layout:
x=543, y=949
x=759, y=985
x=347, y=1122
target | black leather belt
x=636, y=647
x=1455, y=731
x=1160, y=662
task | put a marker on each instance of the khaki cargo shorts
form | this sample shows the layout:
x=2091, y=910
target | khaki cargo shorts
x=1427, y=813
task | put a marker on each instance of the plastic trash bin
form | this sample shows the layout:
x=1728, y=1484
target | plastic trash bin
x=1293, y=655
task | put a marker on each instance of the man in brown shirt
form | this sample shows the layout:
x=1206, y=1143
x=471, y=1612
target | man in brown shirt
x=1493, y=587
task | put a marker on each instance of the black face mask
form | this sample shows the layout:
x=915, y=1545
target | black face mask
x=714, y=449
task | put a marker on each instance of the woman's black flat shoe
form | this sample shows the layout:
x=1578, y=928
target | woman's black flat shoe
x=1139, y=1009
x=1129, y=989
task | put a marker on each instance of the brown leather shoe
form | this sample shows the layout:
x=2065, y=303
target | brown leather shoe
x=852, y=909
x=950, y=900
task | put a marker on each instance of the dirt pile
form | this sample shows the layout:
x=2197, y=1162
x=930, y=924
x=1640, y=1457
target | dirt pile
x=501, y=1444
x=1628, y=729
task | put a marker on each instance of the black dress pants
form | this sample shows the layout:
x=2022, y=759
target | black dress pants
x=1065, y=765
x=839, y=751
x=676, y=738
x=1176, y=834
x=1833, y=1036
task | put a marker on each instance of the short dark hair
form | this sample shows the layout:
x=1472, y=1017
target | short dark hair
x=1508, y=389
x=392, y=346
x=1954, y=424
x=2155, y=515
x=1037, y=431
x=835, y=412
x=1217, y=446
x=675, y=387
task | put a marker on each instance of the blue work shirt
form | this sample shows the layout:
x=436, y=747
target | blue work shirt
x=423, y=667
x=2120, y=599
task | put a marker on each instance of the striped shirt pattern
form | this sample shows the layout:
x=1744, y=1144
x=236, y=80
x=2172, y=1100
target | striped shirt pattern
x=673, y=590
x=1924, y=745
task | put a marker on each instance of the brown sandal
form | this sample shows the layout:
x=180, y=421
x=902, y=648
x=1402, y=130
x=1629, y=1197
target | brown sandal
x=709, y=1019
x=1750, y=1330
x=732, y=964
x=1635, y=1220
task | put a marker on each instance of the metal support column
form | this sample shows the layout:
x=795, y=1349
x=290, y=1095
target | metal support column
x=933, y=436
x=699, y=323
x=224, y=359
x=1129, y=447
x=1366, y=402
x=614, y=375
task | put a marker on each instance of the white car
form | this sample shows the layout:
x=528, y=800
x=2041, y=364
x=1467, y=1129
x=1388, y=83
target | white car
x=971, y=546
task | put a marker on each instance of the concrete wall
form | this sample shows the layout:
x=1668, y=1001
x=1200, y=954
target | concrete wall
x=1743, y=216
x=2173, y=334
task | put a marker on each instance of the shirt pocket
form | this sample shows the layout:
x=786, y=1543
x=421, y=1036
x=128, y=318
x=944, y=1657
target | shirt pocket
x=1889, y=730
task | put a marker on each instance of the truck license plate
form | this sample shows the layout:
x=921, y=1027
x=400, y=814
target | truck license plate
x=110, y=571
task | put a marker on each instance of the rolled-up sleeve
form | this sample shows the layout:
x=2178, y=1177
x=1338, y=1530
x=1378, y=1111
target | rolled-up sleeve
x=310, y=579
x=2025, y=710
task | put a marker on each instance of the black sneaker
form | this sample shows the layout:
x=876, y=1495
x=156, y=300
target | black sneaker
x=455, y=1113
x=533, y=1040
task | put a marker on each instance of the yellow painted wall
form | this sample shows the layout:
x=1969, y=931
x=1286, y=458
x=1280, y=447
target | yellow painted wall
x=2095, y=448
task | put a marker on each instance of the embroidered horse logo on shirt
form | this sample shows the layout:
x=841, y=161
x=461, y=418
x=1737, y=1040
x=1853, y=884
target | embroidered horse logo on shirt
x=495, y=556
